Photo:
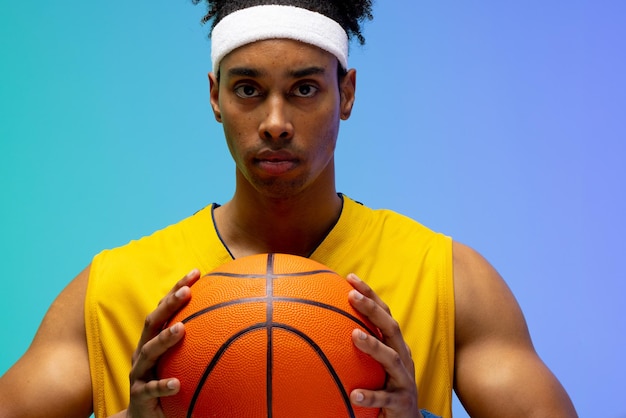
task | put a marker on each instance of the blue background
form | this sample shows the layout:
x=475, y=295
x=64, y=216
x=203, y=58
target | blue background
x=502, y=125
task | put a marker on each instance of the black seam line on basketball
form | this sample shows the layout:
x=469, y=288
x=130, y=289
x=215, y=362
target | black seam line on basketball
x=222, y=305
x=215, y=360
x=269, y=365
x=328, y=307
x=280, y=299
x=325, y=360
x=261, y=275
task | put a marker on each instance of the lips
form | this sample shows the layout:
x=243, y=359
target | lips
x=276, y=162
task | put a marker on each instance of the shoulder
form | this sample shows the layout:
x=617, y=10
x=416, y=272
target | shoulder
x=389, y=223
x=484, y=305
x=65, y=318
x=126, y=282
x=183, y=240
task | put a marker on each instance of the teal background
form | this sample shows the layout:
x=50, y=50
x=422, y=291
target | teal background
x=502, y=125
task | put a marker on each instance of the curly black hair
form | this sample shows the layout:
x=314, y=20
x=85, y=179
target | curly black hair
x=348, y=13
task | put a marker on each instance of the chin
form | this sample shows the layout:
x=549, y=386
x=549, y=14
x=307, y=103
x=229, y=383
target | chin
x=279, y=188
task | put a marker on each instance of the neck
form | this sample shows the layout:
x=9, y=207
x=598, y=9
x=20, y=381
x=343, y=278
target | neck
x=251, y=223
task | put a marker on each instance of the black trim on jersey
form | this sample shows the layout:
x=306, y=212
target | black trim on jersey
x=329, y=229
x=217, y=205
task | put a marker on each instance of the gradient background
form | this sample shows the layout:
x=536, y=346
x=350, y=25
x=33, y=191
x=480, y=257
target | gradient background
x=501, y=125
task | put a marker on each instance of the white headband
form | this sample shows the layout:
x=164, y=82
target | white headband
x=275, y=22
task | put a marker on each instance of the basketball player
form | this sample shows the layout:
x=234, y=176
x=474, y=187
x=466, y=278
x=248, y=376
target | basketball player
x=280, y=85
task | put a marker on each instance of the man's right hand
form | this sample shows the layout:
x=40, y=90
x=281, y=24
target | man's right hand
x=145, y=389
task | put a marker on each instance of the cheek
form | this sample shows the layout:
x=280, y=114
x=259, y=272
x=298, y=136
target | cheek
x=329, y=121
x=324, y=115
x=241, y=137
x=239, y=127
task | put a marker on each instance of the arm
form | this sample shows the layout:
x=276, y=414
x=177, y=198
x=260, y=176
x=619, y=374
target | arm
x=497, y=371
x=52, y=378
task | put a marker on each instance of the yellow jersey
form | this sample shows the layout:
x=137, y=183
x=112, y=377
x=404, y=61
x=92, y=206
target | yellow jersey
x=407, y=265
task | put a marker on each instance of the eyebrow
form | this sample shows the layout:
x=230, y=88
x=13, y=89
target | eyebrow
x=308, y=71
x=244, y=72
x=253, y=72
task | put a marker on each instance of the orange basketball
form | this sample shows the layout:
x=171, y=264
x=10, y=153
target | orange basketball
x=269, y=335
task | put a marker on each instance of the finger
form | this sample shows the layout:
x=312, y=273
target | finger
x=149, y=353
x=367, y=291
x=188, y=280
x=389, y=327
x=390, y=401
x=400, y=374
x=379, y=316
x=155, y=389
x=168, y=306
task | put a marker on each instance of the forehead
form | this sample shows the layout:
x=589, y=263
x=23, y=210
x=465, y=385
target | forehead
x=276, y=54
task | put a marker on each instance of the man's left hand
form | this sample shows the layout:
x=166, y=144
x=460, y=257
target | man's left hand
x=399, y=398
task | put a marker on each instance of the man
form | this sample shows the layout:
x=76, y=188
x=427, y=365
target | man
x=280, y=86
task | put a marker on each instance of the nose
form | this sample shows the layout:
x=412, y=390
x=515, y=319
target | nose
x=276, y=124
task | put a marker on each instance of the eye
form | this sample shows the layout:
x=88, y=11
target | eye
x=305, y=90
x=246, y=91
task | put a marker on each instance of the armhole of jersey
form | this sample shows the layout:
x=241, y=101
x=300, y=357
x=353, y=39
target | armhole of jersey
x=448, y=308
x=96, y=358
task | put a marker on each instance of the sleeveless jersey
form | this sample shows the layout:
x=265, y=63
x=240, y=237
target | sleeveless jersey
x=407, y=265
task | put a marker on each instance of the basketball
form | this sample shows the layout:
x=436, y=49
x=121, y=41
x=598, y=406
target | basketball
x=269, y=335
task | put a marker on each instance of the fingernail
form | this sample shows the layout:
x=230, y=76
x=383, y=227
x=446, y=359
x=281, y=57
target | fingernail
x=171, y=384
x=359, y=397
x=192, y=272
x=362, y=335
x=355, y=277
x=176, y=328
x=179, y=293
x=356, y=294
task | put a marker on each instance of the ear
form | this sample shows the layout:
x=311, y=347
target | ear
x=347, y=92
x=214, y=90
